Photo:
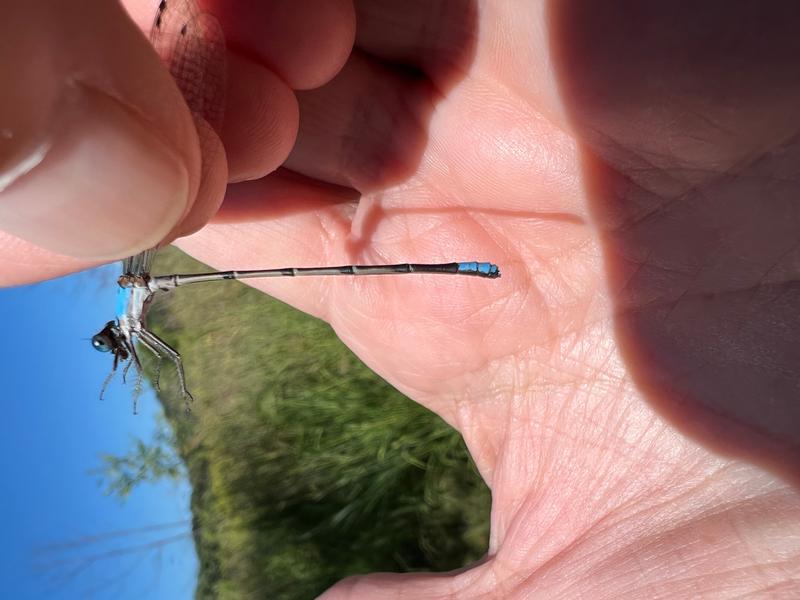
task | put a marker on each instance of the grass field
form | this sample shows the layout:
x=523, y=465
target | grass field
x=306, y=467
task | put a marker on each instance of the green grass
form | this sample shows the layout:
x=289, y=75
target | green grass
x=306, y=467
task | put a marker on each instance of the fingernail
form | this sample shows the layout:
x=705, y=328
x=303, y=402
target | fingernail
x=100, y=185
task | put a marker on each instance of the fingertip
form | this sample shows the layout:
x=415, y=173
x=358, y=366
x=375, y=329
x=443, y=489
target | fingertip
x=306, y=42
x=213, y=183
x=330, y=40
x=98, y=155
x=262, y=121
x=99, y=185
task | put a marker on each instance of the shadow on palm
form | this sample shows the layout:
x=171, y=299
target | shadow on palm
x=690, y=160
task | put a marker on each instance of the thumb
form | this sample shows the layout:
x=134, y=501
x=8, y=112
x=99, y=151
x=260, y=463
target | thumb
x=98, y=153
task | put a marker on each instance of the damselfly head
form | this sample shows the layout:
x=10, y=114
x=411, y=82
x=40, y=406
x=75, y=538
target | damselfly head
x=109, y=339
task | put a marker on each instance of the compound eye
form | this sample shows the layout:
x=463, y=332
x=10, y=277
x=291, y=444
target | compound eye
x=102, y=343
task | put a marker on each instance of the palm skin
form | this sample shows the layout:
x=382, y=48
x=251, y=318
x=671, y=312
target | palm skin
x=480, y=141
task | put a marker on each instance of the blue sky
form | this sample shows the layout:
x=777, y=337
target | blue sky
x=52, y=431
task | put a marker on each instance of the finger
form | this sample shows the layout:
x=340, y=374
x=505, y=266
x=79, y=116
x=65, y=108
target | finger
x=279, y=195
x=260, y=126
x=214, y=180
x=435, y=36
x=365, y=129
x=98, y=156
x=305, y=42
x=263, y=118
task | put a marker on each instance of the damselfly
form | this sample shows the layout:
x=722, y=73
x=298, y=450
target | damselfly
x=192, y=45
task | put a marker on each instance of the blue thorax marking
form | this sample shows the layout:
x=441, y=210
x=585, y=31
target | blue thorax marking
x=130, y=304
x=122, y=300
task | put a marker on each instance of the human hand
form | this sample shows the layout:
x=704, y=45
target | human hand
x=557, y=141
x=638, y=178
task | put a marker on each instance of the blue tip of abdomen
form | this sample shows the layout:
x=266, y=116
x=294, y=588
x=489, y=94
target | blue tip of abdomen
x=480, y=269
